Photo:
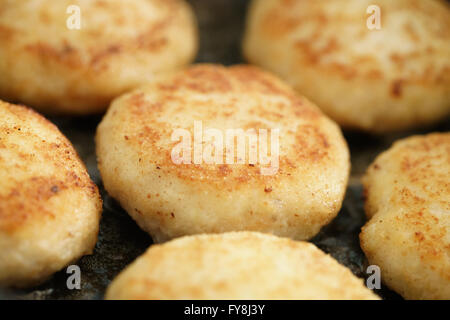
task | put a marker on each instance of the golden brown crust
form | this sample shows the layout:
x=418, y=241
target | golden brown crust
x=376, y=80
x=408, y=194
x=242, y=265
x=26, y=198
x=49, y=207
x=311, y=143
x=134, y=153
x=120, y=45
x=283, y=20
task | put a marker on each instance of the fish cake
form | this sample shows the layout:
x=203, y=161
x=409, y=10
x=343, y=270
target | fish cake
x=135, y=151
x=119, y=46
x=408, y=203
x=236, y=265
x=375, y=80
x=49, y=207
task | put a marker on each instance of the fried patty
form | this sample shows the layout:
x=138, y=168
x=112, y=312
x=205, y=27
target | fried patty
x=120, y=45
x=376, y=80
x=135, y=151
x=237, y=265
x=408, y=203
x=49, y=207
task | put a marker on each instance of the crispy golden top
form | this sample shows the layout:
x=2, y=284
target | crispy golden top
x=413, y=44
x=226, y=98
x=237, y=265
x=37, y=164
x=109, y=28
x=408, y=203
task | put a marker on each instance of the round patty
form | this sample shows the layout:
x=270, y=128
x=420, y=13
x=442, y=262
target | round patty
x=382, y=80
x=237, y=265
x=294, y=197
x=49, y=207
x=408, y=204
x=120, y=45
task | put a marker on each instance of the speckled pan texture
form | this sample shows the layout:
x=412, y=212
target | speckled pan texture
x=121, y=240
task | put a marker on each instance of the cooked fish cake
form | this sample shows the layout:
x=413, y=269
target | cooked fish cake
x=135, y=151
x=376, y=80
x=49, y=207
x=237, y=265
x=408, y=204
x=120, y=45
